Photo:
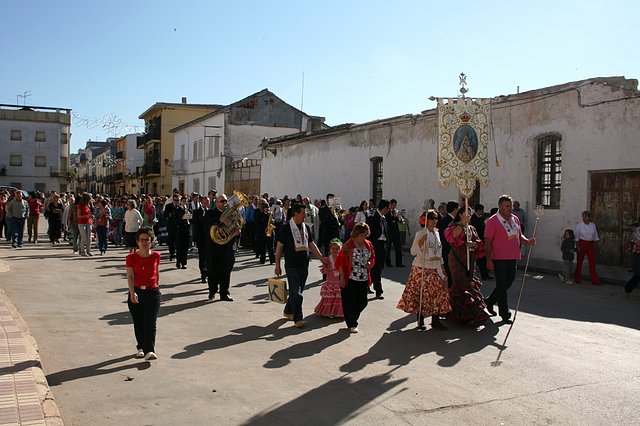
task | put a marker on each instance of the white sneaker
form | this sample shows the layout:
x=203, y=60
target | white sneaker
x=353, y=329
x=562, y=280
x=140, y=354
x=568, y=282
x=150, y=356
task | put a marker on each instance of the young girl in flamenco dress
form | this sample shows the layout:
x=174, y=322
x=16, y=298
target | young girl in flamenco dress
x=331, y=301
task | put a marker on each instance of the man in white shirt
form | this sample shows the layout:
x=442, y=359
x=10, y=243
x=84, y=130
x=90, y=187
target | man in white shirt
x=586, y=239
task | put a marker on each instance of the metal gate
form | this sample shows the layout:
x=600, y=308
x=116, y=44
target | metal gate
x=615, y=203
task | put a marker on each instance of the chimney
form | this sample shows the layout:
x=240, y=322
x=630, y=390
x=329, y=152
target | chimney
x=184, y=99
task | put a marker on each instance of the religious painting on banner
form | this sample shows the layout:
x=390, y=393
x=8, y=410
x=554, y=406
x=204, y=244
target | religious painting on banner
x=463, y=136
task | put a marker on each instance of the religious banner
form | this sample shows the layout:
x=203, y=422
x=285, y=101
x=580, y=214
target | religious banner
x=463, y=136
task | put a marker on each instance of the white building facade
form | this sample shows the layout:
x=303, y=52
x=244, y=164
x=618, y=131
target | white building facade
x=34, y=147
x=222, y=150
x=571, y=147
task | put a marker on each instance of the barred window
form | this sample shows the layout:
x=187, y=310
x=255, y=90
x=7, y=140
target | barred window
x=41, y=136
x=16, y=135
x=377, y=172
x=549, y=171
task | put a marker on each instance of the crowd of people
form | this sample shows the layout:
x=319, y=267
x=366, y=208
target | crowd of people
x=354, y=245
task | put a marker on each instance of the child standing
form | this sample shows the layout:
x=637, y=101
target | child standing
x=568, y=247
x=331, y=302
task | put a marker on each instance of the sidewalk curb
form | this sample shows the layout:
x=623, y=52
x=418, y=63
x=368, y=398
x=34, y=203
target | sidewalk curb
x=49, y=407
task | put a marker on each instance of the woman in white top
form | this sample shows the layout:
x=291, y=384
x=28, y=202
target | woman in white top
x=132, y=223
x=361, y=215
x=425, y=293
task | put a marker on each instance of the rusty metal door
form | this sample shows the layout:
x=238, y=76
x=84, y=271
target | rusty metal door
x=615, y=204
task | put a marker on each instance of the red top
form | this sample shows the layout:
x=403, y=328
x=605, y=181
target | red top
x=34, y=207
x=84, y=211
x=343, y=262
x=505, y=246
x=145, y=269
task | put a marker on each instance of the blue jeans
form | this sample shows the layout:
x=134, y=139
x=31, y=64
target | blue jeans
x=296, y=277
x=101, y=232
x=75, y=236
x=16, y=229
x=117, y=233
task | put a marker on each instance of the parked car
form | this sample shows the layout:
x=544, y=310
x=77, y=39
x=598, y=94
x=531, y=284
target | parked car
x=12, y=189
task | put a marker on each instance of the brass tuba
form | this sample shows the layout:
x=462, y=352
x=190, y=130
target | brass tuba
x=222, y=234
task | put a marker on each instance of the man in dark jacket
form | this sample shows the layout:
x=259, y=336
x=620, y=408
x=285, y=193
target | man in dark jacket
x=443, y=223
x=378, y=237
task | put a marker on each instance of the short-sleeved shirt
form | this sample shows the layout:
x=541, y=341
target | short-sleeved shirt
x=85, y=211
x=359, y=259
x=145, y=269
x=504, y=247
x=293, y=258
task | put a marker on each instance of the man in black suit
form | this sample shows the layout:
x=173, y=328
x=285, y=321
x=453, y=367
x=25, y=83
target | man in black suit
x=378, y=237
x=199, y=236
x=329, y=223
x=172, y=223
x=443, y=223
x=393, y=220
x=220, y=257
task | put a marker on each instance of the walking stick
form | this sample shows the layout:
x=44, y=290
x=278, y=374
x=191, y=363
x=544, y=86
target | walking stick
x=424, y=246
x=539, y=213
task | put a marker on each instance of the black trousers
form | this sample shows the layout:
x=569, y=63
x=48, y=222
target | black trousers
x=202, y=257
x=354, y=300
x=397, y=245
x=505, y=274
x=265, y=245
x=182, y=248
x=145, y=315
x=445, y=259
x=171, y=240
x=482, y=266
x=378, y=266
x=219, y=267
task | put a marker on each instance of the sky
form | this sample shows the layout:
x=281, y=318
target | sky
x=347, y=61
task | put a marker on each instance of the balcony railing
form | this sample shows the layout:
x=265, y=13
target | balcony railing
x=56, y=171
x=118, y=176
x=180, y=167
x=151, y=168
x=119, y=154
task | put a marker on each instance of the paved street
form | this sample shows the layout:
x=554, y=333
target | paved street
x=570, y=358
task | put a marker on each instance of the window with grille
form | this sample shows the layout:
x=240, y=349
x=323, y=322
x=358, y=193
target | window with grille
x=64, y=138
x=15, y=160
x=41, y=136
x=377, y=171
x=549, y=171
x=40, y=161
x=16, y=135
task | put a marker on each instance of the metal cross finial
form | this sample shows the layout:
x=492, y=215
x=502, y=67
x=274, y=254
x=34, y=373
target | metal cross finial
x=463, y=84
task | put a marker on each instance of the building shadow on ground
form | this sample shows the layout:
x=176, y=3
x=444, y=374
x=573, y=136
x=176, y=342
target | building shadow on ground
x=338, y=401
x=400, y=347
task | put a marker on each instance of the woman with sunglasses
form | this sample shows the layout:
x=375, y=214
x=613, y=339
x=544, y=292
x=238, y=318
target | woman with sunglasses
x=143, y=277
